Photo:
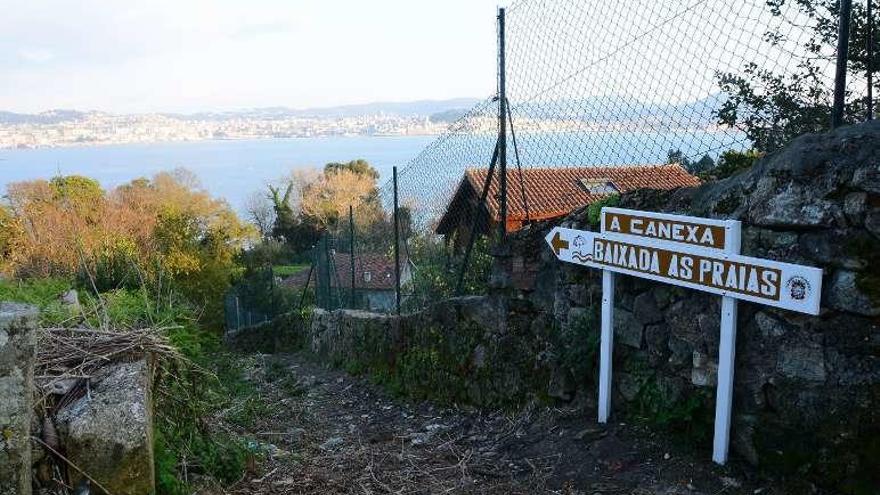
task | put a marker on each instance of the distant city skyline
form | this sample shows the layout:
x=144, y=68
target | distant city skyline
x=170, y=56
x=419, y=107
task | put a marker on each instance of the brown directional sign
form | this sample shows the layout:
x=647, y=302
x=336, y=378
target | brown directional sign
x=703, y=232
x=770, y=282
x=741, y=277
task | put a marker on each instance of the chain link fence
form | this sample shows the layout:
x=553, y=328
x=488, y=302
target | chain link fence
x=598, y=97
x=256, y=299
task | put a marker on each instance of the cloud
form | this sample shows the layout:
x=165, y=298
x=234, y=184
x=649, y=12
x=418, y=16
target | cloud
x=35, y=55
x=186, y=55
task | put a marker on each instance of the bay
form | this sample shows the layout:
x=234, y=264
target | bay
x=235, y=169
x=231, y=169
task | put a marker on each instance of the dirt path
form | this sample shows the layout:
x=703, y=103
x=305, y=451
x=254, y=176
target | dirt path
x=327, y=432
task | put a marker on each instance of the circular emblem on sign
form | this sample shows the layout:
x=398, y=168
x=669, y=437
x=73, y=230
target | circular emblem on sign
x=798, y=287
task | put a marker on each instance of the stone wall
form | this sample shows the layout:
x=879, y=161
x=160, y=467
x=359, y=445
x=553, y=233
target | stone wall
x=108, y=432
x=281, y=334
x=18, y=336
x=815, y=203
x=487, y=351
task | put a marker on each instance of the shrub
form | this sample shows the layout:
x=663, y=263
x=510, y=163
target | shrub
x=730, y=163
x=594, y=210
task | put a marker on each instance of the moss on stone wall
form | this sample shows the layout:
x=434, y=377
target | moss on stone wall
x=868, y=279
x=455, y=353
x=823, y=456
x=284, y=333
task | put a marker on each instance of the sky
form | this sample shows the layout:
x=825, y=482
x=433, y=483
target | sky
x=127, y=56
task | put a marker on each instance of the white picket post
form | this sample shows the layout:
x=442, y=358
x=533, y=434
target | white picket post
x=726, y=358
x=606, y=345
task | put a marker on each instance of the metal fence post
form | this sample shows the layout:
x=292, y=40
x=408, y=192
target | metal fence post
x=870, y=59
x=302, y=297
x=351, y=251
x=237, y=313
x=840, y=75
x=396, y=245
x=499, y=157
x=322, y=281
x=272, y=292
x=502, y=125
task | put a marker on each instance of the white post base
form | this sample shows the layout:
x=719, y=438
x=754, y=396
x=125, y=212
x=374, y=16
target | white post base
x=724, y=397
x=606, y=345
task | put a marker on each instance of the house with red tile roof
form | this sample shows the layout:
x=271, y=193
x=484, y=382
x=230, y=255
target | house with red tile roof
x=551, y=192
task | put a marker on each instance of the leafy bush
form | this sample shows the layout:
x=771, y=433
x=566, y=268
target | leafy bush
x=688, y=415
x=594, y=210
x=438, y=268
x=191, y=392
x=730, y=163
x=579, y=346
x=162, y=232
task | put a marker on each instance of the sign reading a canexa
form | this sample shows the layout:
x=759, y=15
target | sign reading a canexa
x=698, y=253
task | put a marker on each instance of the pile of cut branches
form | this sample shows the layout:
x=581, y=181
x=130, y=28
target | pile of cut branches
x=77, y=353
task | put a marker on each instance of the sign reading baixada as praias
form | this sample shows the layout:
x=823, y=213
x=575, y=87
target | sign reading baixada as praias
x=769, y=282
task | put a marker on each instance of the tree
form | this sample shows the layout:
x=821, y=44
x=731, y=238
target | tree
x=772, y=108
x=328, y=199
x=359, y=167
x=10, y=232
x=298, y=230
x=261, y=212
x=313, y=202
x=699, y=166
x=163, y=231
x=731, y=162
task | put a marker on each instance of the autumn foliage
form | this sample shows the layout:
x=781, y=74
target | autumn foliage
x=164, y=230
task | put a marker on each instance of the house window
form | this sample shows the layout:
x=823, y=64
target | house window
x=368, y=276
x=598, y=186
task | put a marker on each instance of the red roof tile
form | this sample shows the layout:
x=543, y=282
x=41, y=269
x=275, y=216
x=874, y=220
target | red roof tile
x=299, y=279
x=552, y=192
x=378, y=268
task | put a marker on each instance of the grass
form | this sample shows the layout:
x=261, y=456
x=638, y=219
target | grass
x=288, y=270
x=45, y=294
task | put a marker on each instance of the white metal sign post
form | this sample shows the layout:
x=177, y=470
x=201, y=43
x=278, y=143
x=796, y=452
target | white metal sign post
x=606, y=345
x=698, y=253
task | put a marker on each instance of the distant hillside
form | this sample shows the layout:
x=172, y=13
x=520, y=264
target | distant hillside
x=605, y=108
x=48, y=117
x=612, y=109
x=408, y=108
x=448, y=116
